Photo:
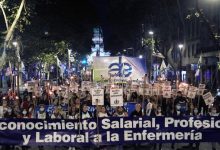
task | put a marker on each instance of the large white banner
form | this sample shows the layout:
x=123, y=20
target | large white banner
x=116, y=97
x=97, y=97
x=118, y=68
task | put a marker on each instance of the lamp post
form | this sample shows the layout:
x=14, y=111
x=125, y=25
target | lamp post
x=180, y=64
x=140, y=56
x=15, y=44
x=151, y=33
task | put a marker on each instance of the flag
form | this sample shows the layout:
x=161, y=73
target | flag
x=9, y=69
x=197, y=72
x=22, y=66
x=70, y=56
x=163, y=66
x=198, y=69
x=58, y=62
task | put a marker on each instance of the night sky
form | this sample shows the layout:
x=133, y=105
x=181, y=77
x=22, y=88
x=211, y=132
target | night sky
x=73, y=20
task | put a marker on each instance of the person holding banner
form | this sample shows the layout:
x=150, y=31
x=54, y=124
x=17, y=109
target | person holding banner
x=120, y=112
x=9, y=113
x=42, y=114
x=85, y=114
x=137, y=112
x=56, y=113
x=102, y=113
x=73, y=112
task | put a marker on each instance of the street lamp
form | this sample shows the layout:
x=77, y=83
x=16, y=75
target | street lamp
x=140, y=56
x=180, y=47
x=151, y=32
x=151, y=70
x=15, y=43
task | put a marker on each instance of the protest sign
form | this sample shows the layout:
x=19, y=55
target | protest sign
x=183, y=87
x=174, y=92
x=145, y=89
x=192, y=92
x=155, y=90
x=30, y=86
x=116, y=97
x=97, y=97
x=201, y=89
x=208, y=98
x=86, y=85
x=166, y=91
x=134, y=88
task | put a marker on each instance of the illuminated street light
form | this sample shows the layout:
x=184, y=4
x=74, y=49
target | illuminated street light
x=140, y=56
x=180, y=46
x=15, y=43
x=151, y=32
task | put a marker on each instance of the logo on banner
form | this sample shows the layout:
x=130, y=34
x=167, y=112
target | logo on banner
x=120, y=69
x=116, y=101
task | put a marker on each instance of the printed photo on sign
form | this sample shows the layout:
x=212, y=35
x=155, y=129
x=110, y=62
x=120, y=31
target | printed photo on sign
x=174, y=92
x=155, y=91
x=191, y=94
x=97, y=97
x=167, y=91
x=116, y=97
x=208, y=98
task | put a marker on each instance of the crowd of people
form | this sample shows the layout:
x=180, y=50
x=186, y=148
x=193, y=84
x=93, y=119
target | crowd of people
x=51, y=104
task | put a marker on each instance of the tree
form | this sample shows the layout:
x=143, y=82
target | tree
x=17, y=18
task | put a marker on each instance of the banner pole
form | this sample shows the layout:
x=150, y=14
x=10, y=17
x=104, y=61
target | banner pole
x=97, y=121
x=79, y=117
x=144, y=92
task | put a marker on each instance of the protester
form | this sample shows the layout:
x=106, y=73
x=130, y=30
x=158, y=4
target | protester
x=120, y=112
x=102, y=113
x=137, y=112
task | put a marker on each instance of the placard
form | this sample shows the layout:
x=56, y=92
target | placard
x=97, y=97
x=86, y=85
x=116, y=97
x=208, y=98
x=200, y=91
x=166, y=91
x=155, y=90
x=192, y=92
x=30, y=86
x=174, y=92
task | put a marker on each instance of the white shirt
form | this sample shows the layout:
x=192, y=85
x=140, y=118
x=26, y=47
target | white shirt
x=86, y=115
x=103, y=114
x=41, y=115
